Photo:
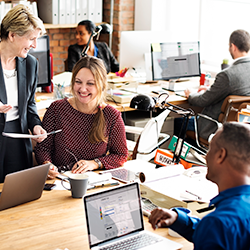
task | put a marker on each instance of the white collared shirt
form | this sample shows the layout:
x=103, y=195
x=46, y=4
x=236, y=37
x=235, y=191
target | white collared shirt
x=10, y=79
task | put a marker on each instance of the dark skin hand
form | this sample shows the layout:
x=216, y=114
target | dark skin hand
x=162, y=217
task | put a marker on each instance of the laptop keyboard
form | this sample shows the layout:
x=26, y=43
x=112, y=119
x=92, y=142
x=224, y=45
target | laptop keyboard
x=133, y=243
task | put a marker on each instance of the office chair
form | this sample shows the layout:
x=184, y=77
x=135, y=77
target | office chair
x=148, y=141
x=229, y=112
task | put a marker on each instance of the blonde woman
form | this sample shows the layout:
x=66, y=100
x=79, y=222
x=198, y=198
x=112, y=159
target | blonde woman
x=93, y=133
x=18, y=78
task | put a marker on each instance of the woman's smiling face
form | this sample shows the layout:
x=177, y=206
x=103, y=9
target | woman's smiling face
x=24, y=43
x=85, y=88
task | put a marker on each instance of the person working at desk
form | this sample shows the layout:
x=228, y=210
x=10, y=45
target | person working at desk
x=228, y=226
x=101, y=50
x=93, y=133
x=18, y=78
x=230, y=81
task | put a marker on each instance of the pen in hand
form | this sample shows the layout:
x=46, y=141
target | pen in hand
x=54, y=132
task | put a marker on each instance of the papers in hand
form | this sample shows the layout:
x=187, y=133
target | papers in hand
x=15, y=135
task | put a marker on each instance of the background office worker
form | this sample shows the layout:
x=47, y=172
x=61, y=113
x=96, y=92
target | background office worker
x=234, y=80
x=93, y=133
x=18, y=78
x=228, y=226
x=101, y=50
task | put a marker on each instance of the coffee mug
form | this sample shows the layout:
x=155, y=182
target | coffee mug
x=78, y=184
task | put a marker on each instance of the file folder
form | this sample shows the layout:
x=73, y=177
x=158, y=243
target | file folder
x=62, y=11
x=48, y=12
x=91, y=10
x=81, y=10
x=73, y=12
x=68, y=12
x=98, y=11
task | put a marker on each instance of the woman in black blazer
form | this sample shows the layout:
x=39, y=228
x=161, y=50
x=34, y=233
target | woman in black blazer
x=18, y=79
x=100, y=50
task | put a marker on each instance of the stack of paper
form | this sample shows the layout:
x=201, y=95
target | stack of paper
x=120, y=96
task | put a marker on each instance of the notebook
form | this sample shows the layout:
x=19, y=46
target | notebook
x=115, y=215
x=23, y=186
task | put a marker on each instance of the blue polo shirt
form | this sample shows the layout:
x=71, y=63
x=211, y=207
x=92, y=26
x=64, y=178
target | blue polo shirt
x=227, y=227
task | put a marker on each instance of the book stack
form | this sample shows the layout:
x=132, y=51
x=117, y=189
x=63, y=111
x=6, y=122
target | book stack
x=120, y=96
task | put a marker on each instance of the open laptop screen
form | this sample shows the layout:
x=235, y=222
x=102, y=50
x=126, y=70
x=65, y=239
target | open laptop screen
x=113, y=213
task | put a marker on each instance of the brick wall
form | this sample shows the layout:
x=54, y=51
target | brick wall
x=123, y=19
x=60, y=39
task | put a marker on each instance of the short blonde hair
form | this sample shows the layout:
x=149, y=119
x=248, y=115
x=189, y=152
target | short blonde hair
x=20, y=20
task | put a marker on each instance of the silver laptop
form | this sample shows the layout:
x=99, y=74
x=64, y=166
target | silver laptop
x=23, y=186
x=114, y=218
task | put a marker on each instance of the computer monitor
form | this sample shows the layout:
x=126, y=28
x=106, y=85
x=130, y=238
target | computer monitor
x=42, y=54
x=135, y=50
x=175, y=60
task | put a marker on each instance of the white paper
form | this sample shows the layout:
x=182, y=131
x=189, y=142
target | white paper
x=94, y=180
x=177, y=186
x=15, y=135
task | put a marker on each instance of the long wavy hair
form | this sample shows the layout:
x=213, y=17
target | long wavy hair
x=96, y=66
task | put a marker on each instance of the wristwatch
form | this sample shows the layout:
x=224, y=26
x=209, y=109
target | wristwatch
x=99, y=163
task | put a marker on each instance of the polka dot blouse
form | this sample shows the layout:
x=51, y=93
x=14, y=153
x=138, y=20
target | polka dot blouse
x=75, y=127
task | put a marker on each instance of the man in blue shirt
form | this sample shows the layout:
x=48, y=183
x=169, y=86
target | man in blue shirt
x=228, y=226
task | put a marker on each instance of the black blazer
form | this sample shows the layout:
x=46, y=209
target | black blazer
x=104, y=53
x=26, y=82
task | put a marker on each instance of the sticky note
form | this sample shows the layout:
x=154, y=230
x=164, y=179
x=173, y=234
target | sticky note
x=156, y=47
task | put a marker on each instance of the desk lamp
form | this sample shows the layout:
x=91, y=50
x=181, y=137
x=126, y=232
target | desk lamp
x=102, y=28
x=148, y=103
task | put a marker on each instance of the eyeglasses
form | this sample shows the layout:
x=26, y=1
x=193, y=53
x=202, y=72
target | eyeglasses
x=73, y=156
x=63, y=169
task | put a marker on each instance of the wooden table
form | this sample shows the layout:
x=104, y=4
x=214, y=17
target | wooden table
x=54, y=221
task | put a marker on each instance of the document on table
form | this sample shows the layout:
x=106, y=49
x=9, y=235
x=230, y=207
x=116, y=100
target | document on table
x=15, y=135
x=95, y=180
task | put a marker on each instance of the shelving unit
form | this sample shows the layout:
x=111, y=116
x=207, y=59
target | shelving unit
x=59, y=26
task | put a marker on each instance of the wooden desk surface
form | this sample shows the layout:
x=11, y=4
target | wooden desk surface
x=54, y=221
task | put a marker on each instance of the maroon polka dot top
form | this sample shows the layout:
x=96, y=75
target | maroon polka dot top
x=75, y=127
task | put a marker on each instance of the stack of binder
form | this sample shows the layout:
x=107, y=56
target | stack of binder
x=70, y=12
x=6, y=6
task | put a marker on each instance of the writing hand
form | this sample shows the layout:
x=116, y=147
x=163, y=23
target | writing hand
x=187, y=92
x=203, y=88
x=83, y=166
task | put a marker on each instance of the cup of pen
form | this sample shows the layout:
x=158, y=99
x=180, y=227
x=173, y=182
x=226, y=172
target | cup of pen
x=59, y=91
x=78, y=184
